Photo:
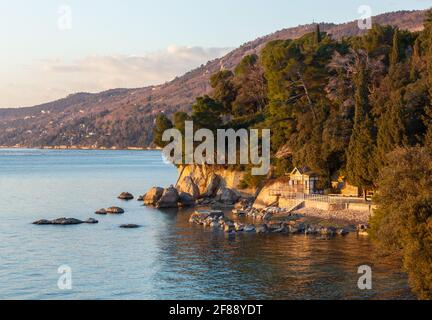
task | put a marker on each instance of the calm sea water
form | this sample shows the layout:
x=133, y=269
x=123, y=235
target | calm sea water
x=165, y=259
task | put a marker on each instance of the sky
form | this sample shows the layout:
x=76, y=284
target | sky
x=51, y=48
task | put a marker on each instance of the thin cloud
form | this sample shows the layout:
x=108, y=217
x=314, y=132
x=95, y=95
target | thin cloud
x=57, y=78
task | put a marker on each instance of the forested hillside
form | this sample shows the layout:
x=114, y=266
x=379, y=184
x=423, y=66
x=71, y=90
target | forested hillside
x=125, y=117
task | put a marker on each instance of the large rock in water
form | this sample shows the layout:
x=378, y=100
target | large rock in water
x=115, y=210
x=125, y=196
x=64, y=221
x=169, y=199
x=153, y=196
x=187, y=185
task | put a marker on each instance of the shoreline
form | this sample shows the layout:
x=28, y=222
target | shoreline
x=81, y=148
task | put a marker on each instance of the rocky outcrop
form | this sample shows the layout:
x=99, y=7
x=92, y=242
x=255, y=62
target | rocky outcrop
x=187, y=185
x=266, y=196
x=208, y=180
x=152, y=197
x=64, y=221
x=227, y=196
x=169, y=198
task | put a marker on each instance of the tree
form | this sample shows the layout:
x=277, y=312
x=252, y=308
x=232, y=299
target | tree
x=162, y=123
x=207, y=113
x=391, y=132
x=402, y=221
x=179, y=120
x=317, y=35
x=395, y=56
x=361, y=168
x=223, y=89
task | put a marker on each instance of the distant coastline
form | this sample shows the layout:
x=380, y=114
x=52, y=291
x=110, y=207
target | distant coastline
x=81, y=148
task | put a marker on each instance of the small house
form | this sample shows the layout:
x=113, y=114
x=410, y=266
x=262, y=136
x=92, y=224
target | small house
x=303, y=180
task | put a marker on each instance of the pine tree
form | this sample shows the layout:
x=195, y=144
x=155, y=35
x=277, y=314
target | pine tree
x=361, y=168
x=162, y=123
x=318, y=36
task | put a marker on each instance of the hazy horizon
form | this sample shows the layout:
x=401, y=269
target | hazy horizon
x=91, y=47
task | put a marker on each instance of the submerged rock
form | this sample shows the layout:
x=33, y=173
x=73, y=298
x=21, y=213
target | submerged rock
x=115, y=210
x=126, y=196
x=42, y=222
x=91, y=221
x=129, y=226
x=65, y=221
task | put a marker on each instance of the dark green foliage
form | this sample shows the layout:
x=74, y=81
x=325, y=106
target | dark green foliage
x=207, y=113
x=403, y=220
x=361, y=167
x=162, y=124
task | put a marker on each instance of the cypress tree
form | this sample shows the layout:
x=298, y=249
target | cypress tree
x=391, y=131
x=361, y=168
x=395, y=53
x=318, y=36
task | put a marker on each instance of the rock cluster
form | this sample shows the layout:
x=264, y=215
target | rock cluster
x=217, y=220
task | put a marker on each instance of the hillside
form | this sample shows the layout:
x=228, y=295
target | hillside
x=125, y=117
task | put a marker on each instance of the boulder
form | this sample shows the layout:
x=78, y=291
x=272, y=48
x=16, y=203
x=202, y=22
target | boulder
x=152, y=197
x=169, y=198
x=101, y=212
x=186, y=200
x=249, y=228
x=343, y=231
x=129, y=226
x=239, y=227
x=141, y=198
x=327, y=231
x=227, y=196
x=115, y=210
x=262, y=229
x=188, y=185
x=125, y=196
x=213, y=186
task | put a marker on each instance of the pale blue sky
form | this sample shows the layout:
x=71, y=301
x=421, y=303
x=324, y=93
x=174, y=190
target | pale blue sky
x=38, y=61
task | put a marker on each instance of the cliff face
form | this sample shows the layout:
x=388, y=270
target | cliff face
x=201, y=181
